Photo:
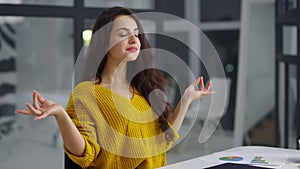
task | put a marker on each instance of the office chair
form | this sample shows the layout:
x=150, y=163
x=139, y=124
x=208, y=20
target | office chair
x=69, y=164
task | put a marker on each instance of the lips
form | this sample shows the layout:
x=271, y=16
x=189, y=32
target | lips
x=132, y=49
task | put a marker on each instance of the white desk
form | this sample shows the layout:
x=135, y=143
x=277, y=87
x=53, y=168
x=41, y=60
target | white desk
x=276, y=157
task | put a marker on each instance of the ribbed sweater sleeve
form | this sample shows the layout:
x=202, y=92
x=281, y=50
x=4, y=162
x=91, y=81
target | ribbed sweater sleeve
x=79, y=112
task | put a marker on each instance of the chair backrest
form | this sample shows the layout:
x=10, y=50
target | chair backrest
x=69, y=164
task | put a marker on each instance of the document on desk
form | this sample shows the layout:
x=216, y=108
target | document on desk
x=263, y=160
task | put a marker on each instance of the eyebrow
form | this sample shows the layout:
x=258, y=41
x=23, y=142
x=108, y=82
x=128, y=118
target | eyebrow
x=126, y=29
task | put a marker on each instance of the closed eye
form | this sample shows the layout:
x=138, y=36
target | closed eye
x=123, y=32
x=123, y=35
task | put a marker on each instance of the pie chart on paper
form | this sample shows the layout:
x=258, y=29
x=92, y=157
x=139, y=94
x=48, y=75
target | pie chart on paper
x=231, y=158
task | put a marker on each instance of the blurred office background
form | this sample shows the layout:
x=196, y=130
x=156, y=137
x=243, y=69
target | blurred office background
x=40, y=41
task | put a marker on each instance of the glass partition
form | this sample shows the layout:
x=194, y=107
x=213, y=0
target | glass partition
x=40, y=2
x=39, y=55
x=44, y=54
x=290, y=40
x=133, y=4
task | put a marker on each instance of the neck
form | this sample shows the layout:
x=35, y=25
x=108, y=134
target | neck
x=115, y=74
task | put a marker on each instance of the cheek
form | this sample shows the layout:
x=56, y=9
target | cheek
x=117, y=44
x=114, y=40
x=139, y=44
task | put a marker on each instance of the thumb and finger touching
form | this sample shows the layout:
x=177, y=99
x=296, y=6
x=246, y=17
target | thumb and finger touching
x=40, y=111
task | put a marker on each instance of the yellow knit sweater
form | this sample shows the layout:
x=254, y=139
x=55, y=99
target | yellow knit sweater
x=119, y=132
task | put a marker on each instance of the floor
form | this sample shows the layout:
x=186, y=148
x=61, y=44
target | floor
x=31, y=146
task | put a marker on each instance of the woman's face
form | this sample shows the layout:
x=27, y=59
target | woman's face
x=124, y=43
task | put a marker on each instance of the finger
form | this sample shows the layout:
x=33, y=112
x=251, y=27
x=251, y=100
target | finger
x=208, y=85
x=34, y=100
x=201, y=83
x=25, y=112
x=40, y=98
x=209, y=92
x=212, y=92
x=33, y=110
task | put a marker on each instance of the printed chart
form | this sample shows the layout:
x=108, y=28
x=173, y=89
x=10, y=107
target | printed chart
x=258, y=160
x=231, y=158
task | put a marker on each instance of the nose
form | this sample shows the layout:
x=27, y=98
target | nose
x=133, y=39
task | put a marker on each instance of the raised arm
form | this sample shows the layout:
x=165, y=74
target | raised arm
x=42, y=108
x=190, y=94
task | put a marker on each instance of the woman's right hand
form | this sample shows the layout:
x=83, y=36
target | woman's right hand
x=42, y=109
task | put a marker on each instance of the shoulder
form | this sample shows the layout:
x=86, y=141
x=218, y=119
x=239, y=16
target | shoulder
x=84, y=88
x=84, y=85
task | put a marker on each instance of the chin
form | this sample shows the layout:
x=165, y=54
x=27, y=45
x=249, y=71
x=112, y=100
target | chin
x=132, y=57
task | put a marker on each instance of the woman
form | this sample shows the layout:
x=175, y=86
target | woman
x=121, y=119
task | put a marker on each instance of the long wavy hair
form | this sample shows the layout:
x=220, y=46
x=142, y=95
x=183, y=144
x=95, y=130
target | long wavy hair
x=144, y=81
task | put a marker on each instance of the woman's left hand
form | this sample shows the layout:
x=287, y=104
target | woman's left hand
x=192, y=93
